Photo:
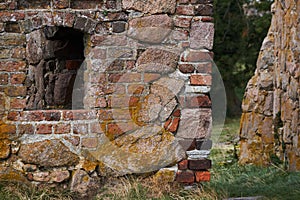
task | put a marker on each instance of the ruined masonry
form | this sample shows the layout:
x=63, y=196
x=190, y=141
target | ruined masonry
x=270, y=124
x=92, y=89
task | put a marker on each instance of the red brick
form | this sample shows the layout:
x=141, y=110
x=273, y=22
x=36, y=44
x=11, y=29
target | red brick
x=176, y=113
x=81, y=129
x=11, y=16
x=60, y=4
x=52, y=115
x=114, y=78
x=25, y=129
x=12, y=66
x=44, y=129
x=183, y=165
x=202, y=164
x=202, y=176
x=62, y=128
x=33, y=116
x=16, y=103
x=15, y=91
x=79, y=115
x=185, y=10
x=174, y=125
x=207, y=19
x=204, y=67
x=187, y=144
x=183, y=22
x=186, y=68
x=167, y=123
x=3, y=79
x=89, y=142
x=202, y=101
x=13, y=116
x=18, y=53
x=185, y=176
x=197, y=79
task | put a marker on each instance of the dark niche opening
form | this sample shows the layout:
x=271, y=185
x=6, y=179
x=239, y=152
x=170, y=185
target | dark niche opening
x=55, y=55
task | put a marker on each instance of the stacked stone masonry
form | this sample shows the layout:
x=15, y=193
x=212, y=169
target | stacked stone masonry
x=90, y=89
x=270, y=124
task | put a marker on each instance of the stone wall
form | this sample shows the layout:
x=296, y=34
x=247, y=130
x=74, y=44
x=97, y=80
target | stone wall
x=90, y=89
x=270, y=120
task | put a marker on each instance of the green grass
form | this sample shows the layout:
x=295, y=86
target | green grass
x=228, y=180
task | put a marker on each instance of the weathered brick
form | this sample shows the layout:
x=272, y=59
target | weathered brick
x=183, y=1
x=81, y=129
x=87, y=4
x=44, y=129
x=25, y=129
x=60, y=4
x=98, y=53
x=3, y=79
x=62, y=128
x=16, y=103
x=185, y=176
x=15, y=91
x=203, y=67
x=12, y=27
x=79, y=115
x=7, y=129
x=182, y=22
x=198, y=79
x=201, y=101
x=17, y=78
x=204, y=10
x=13, y=116
x=187, y=144
x=18, y=53
x=6, y=16
x=113, y=130
x=12, y=66
x=120, y=101
x=202, y=176
x=202, y=164
x=89, y=142
x=183, y=165
x=33, y=116
x=186, y=68
x=109, y=40
x=185, y=10
x=69, y=19
x=74, y=140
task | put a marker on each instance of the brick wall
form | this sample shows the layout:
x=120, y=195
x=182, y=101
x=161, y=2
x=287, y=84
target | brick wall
x=146, y=70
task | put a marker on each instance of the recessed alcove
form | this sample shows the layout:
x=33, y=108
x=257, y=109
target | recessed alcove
x=55, y=55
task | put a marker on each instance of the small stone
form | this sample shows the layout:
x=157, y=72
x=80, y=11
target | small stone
x=41, y=176
x=198, y=154
x=59, y=176
x=118, y=27
x=83, y=184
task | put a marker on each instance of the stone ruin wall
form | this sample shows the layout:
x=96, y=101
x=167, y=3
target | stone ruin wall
x=270, y=124
x=90, y=89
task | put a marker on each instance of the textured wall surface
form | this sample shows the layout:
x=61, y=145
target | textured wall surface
x=270, y=124
x=90, y=89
